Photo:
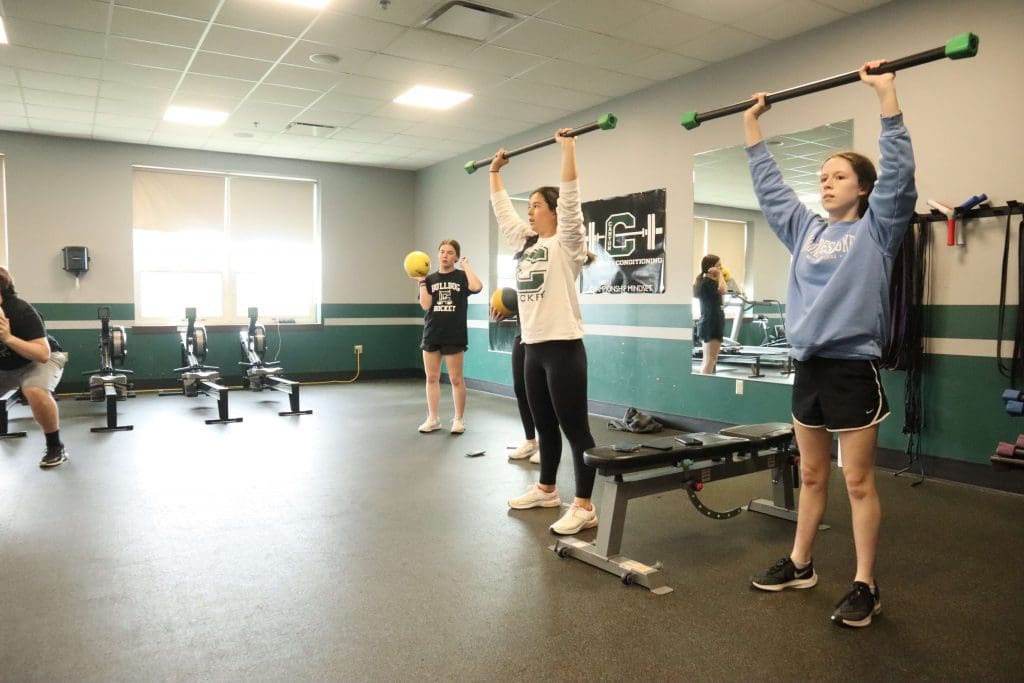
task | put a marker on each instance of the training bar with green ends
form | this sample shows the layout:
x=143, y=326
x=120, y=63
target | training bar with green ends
x=958, y=47
x=606, y=122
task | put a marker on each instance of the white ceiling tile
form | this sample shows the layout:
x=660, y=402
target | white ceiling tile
x=410, y=139
x=280, y=94
x=269, y=117
x=403, y=112
x=61, y=127
x=852, y=6
x=404, y=12
x=115, y=133
x=212, y=85
x=301, y=77
x=589, y=78
x=259, y=15
x=35, y=111
x=57, y=38
x=193, y=9
x=346, y=30
x=119, y=119
x=242, y=43
x=139, y=108
x=600, y=16
x=342, y=146
x=541, y=93
x=210, y=102
x=229, y=66
x=364, y=136
x=158, y=28
x=665, y=28
x=398, y=69
x=464, y=80
x=380, y=124
x=133, y=93
x=12, y=109
x=349, y=103
x=608, y=52
x=43, y=80
x=721, y=43
x=147, y=54
x=373, y=88
x=11, y=93
x=722, y=12
x=491, y=124
x=140, y=75
x=429, y=46
x=662, y=66
x=328, y=117
x=542, y=38
x=12, y=122
x=300, y=53
x=86, y=16
x=499, y=60
x=51, y=98
x=8, y=76
x=788, y=19
x=44, y=60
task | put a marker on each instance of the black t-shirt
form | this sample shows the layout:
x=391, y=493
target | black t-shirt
x=711, y=312
x=25, y=324
x=445, y=322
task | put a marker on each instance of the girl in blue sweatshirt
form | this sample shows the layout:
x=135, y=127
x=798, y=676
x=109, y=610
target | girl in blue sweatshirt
x=837, y=318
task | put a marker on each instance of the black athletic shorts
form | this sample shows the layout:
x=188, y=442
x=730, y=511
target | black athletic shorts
x=445, y=349
x=837, y=394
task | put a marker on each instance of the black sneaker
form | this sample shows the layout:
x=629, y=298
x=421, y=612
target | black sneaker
x=858, y=606
x=784, y=574
x=54, y=456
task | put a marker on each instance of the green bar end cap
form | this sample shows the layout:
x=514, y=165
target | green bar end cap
x=689, y=121
x=607, y=122
x=470, y=167
x=962, y=46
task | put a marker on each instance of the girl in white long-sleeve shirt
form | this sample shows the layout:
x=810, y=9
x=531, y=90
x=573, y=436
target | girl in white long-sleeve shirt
x=551, y=251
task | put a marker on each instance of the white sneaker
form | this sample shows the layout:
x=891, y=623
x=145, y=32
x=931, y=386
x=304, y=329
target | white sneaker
x=535, y=458
x=525, y=450
x=431, y=425
x=458, y=425
x=535, y=498
x=576, y=519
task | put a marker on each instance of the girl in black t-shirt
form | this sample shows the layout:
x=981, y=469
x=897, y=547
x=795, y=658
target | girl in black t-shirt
x=444, y=296
x=710, y=329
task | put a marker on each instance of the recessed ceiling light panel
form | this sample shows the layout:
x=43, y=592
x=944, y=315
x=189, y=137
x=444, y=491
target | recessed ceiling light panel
x=432, y=98
x=195, y=117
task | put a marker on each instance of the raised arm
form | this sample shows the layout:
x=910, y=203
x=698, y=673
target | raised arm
x=571, y=233
x=515, y=230
x=474, y=282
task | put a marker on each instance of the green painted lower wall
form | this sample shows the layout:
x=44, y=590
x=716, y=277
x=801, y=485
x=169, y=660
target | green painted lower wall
x=963, y=413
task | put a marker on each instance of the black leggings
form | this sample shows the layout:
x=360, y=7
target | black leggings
x=556, y=386
x=519, y=386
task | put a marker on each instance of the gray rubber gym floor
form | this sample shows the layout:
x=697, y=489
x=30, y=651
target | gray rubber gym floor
x=346, y=546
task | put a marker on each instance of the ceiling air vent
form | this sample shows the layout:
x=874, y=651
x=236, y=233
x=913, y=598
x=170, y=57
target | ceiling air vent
x=310, y=130
x=468, y=19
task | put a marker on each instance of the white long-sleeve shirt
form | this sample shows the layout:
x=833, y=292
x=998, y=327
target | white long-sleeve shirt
x=549, y=304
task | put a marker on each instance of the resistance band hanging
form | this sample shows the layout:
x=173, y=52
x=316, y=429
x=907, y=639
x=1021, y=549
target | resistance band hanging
x=958, y=47
x=1015, y=371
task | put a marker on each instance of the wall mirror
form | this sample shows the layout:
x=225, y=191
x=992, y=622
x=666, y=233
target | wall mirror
x=728, y=223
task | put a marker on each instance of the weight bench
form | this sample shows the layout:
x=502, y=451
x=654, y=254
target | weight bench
x=8, y=399
x=648, y=471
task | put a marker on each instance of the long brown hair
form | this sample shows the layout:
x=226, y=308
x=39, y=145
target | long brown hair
x=454, y=244
x=706, y=264
x=866, y=176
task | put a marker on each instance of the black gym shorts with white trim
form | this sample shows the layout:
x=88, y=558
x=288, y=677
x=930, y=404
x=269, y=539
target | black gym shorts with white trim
x=838, y=394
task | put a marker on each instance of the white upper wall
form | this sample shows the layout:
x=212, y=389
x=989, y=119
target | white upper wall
x=964, y=117
x=66, y=191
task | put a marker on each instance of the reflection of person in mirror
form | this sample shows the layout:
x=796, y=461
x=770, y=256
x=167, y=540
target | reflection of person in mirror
x=837, y=320
x=710, y=328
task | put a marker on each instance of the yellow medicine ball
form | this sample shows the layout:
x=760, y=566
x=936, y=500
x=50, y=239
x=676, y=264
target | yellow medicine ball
x=417, y=264
x=505, y=302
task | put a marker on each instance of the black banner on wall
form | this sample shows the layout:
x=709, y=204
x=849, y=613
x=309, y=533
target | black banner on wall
x=628, y=236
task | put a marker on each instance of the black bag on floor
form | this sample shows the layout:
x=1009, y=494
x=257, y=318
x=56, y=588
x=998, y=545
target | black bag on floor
x=636, y=422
